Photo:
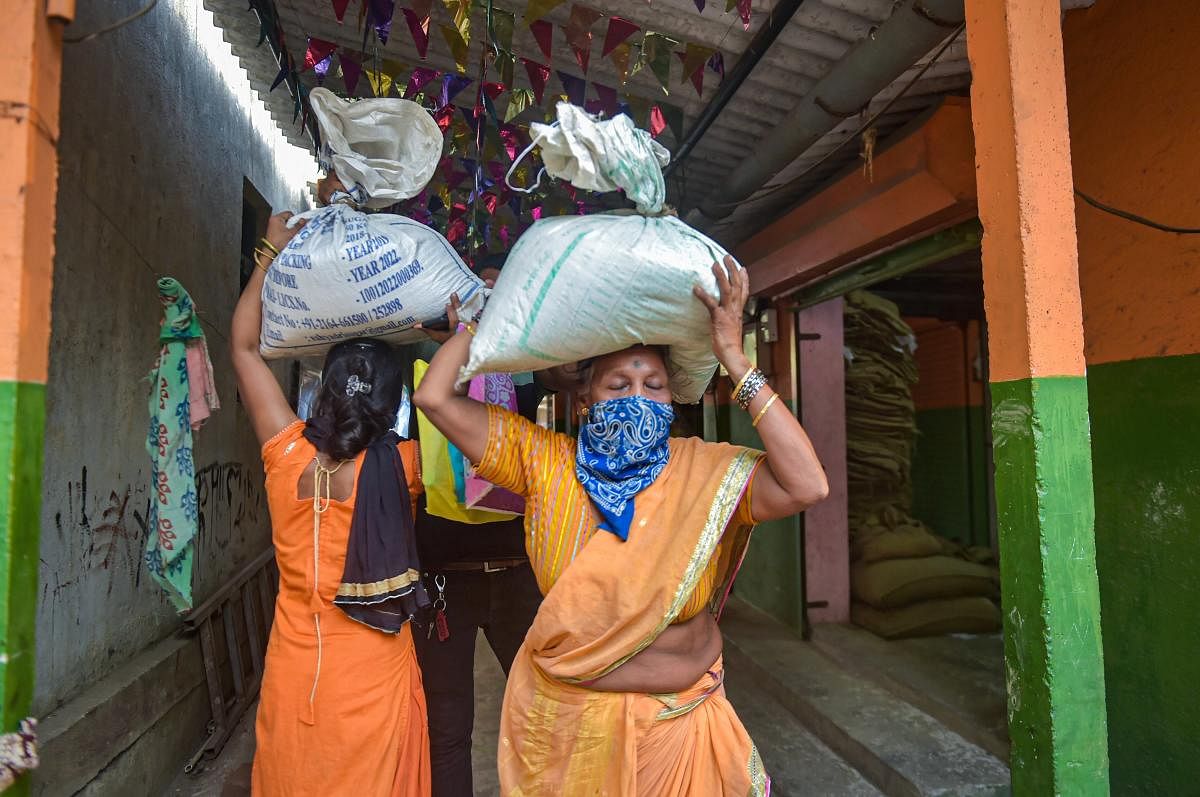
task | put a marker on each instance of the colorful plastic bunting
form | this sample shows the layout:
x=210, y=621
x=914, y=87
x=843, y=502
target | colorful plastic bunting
x=621, y=56
x=458, y=46
x=318, y=50
x=657, y=122
x=674, y=118
x=538, y=9
x=419, y=27
x=421, y=77
x=619, y=31
x=538, y=74
x=543, y=34
x=743, y=9
x=381, y=84
x=717, y=64
x=351, y=70
x=578, y=31
x=608, y=99
x=322, y=69
x=339, y=9
x=699, y=5
x=380, y=13
x=656, y=53
x=452, y=86
x=575, y=87
x=694, y=59
x=282, y=76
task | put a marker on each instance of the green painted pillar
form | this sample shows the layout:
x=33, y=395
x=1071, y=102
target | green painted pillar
x=31, y=63
x=1043, y=474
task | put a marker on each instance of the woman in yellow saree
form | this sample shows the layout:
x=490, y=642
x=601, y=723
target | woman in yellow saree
x=635, y=540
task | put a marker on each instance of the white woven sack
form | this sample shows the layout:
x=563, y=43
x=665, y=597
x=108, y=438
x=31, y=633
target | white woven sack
x=388, y=147
x=349, y=274
x=576, y=287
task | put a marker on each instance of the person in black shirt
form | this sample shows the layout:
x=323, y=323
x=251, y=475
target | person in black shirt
x=482, y=573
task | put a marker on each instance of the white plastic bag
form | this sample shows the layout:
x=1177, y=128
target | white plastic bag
x=388, y=147
x=575, y=287
x=349, y=274
x=603, y=156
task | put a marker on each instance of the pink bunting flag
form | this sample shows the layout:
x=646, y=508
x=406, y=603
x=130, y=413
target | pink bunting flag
x=657, y=122
x=339, y=9
x=420, y=78
x=419, y=27
x=318, y=50
x=539, y=74
x=536, y=213
x=351, y=71
x=619, y=30
x=543, y=34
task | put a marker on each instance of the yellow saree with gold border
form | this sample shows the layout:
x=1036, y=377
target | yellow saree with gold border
x=605, y=601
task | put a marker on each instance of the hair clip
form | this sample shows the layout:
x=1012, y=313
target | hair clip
x=354, y=386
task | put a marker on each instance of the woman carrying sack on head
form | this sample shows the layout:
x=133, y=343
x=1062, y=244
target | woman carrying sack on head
x=618, y=687
x=341, y=709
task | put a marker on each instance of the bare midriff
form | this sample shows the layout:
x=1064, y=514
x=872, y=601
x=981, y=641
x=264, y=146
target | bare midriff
x=673, y=662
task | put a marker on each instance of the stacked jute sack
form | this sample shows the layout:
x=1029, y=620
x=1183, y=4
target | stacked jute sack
x=905, y=580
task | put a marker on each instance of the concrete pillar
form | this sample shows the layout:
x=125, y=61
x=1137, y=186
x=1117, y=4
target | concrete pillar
x=31, y=63
x=822, y=376
x=1043, y=471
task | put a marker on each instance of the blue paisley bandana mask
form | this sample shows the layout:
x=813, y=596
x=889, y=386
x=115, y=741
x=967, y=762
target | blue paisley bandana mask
x=621, y=451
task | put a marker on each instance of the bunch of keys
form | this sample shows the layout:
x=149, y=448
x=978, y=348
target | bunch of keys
x=443, y=628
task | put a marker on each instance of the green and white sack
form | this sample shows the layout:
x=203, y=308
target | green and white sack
x=575, y=287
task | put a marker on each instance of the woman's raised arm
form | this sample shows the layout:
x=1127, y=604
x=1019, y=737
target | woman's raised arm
x=261, y=395
x=462, y=419
x=792, y=479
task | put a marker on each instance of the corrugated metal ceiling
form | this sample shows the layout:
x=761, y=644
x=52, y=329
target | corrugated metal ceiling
x=819, y=34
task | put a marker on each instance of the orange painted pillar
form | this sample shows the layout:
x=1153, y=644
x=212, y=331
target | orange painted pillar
x=31, y=66
x=1043, y=474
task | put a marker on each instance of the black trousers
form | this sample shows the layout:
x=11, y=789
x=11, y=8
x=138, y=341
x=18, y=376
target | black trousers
x=503, y=604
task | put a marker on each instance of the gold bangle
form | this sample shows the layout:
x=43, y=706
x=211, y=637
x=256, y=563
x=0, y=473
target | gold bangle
x=260, y=253
x=742, y=381
x=269, y=245
x=763, y=411
x=467, y=325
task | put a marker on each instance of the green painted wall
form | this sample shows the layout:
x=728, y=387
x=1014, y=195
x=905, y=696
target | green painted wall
x=22, y=422
x=771, y=573
x=949, y=473
x=1052, y=640
x=1146, y=456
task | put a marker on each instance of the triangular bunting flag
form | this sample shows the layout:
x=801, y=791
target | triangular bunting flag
x=536, y=9
x=619, y=30
x=339, y=9
x=743, y=9
x=657, y=122
x=693, y=64
x=503, y=23
x=421, y=77
x=640, y=108
x=699, y=5
x=461, y=9
x=380, y=13
x=575, y=87
x=420, y=31
x=505, y=63
x=351, y=70
x=656, y=53
x=717, y=64
x=608, y=99
x=452, y=85
x=621, y=55
x=543, y=34
x=422, y=8
x=594, y=107
x=381, y=84
x=674, y=117
x=520, y=100
x=579, y=33
x=472, y=119
x=458, y=46
x=322, y=69
x=282, y=76
x=318, y=50
x=539, y=74
x=493, y=90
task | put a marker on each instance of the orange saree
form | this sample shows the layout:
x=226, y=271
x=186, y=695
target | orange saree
x=605, y=601
x=342, y=710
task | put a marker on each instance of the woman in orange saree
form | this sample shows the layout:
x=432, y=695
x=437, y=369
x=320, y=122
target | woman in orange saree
x=341, y=710
x=618, y=688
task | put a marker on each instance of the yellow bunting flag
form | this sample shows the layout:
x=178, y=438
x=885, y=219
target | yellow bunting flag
x=381, y=84
x=540, y=8
x=459, y=46
x=520, y=100
x=620, y=57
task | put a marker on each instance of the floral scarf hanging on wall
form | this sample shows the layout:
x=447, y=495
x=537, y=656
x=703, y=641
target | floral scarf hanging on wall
x=174, y=513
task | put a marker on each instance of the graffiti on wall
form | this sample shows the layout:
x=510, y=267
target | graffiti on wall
x=105, y=531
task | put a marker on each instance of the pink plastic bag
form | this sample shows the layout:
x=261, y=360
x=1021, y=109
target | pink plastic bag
x=495, y=389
